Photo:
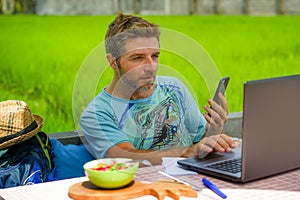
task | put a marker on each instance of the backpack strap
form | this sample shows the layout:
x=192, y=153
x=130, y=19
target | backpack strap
x=45, y=143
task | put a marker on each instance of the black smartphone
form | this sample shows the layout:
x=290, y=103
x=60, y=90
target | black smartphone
x=221, y=88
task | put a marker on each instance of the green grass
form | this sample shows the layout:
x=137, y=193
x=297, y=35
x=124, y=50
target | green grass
x=40, y=56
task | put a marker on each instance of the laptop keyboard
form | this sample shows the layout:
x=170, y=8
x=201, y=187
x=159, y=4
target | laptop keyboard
x=234, y=166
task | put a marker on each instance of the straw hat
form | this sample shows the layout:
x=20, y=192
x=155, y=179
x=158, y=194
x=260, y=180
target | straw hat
x=17, y=123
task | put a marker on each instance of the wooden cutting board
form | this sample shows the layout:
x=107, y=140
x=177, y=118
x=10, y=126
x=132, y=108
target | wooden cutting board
x=87, y=191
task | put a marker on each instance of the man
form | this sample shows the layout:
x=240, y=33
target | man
x=143, y=116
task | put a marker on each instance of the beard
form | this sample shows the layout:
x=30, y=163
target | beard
x=135, y=83
x=145, y=87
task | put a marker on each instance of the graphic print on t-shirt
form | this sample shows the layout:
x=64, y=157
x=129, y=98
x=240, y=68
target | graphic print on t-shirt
x=158, y=123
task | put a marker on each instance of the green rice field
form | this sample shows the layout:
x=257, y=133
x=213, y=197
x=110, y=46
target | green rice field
x=41, y=56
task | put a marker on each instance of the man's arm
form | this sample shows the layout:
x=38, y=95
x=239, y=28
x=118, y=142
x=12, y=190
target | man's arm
x=219, y=143
x=127, y=150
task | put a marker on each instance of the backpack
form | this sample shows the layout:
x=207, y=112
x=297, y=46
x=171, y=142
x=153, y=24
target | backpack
x=28, y=162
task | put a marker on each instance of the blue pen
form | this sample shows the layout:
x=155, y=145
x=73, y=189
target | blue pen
x=214, y=188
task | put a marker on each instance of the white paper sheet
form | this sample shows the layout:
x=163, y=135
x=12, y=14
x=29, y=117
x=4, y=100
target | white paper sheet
x=171, y=167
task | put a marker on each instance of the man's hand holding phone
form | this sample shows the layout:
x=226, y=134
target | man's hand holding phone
x=218, y=106
x=217, y=113
x=215, y=116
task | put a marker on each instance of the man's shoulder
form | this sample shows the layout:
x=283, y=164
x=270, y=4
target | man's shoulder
x=98, y=102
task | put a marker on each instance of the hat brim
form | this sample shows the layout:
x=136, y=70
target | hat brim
x=39, y=120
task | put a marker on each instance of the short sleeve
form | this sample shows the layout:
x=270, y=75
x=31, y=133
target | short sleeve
x=100, y=127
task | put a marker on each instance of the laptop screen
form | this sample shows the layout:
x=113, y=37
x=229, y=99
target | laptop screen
x=271, y=131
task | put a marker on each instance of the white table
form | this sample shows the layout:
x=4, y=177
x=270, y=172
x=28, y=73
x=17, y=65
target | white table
x=284, y=186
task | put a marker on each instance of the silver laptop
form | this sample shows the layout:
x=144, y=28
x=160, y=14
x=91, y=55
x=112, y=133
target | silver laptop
x=270, y=136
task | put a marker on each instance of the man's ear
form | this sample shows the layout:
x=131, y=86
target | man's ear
x=112, y=61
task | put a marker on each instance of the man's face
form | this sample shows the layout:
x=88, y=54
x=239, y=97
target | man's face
x=138, y=65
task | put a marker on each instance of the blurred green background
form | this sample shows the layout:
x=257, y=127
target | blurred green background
x=41, y=55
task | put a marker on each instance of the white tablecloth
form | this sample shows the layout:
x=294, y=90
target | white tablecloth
x=263, y=189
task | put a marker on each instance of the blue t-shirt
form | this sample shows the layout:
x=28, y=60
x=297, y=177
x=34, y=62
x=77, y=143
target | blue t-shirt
x=168, y=118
